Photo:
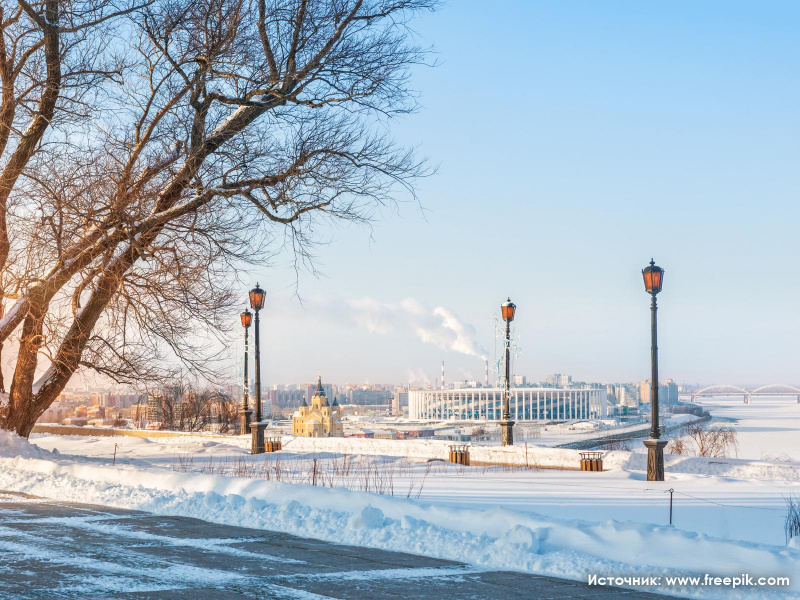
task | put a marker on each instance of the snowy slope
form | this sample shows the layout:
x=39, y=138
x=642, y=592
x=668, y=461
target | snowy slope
x=497, y=537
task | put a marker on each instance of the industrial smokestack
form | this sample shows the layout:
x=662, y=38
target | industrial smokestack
x=442, y=374
x=486, y=373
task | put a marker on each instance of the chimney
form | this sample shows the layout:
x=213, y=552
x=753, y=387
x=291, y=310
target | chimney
x=442, y=374
x=486, y=373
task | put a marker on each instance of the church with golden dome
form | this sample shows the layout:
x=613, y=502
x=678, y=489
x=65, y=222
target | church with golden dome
x=321, y=419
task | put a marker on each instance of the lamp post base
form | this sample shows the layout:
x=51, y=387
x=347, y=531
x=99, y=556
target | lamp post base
x=655, y=459
x=507, y=432
x=246, y=417
x=257, y=430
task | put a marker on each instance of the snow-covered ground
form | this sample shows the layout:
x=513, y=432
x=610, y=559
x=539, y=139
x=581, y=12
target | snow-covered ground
x=728, y=513
x=748, y=509
x=570, y=433
x=768, y=428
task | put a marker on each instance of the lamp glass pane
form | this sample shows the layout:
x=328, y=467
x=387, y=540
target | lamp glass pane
x=648, y=280
x=508, y=310
x=658, y=279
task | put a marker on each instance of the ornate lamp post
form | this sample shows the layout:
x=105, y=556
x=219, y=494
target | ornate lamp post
x=247, y=319
x=653, y=278
x=257, y=297
x=507, y=309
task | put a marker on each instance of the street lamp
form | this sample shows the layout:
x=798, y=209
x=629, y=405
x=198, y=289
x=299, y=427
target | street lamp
x=247, y=319
x=507, y=309
x=257, y=297
x=653, y=278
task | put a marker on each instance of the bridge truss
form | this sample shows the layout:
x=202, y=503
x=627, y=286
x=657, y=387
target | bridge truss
x=772, y=389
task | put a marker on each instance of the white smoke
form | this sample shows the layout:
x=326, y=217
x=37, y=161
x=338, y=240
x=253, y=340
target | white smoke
x=437, y=326
x=418, y=377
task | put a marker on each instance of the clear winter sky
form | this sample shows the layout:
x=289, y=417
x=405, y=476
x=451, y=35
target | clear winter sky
x=575, y=140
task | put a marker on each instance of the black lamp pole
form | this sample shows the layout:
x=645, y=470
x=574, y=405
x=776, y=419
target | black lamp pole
x=508, y=309
x=653, y=279
x=655, y=430
x=257, y=296
x=246, y=412
x=258, y=371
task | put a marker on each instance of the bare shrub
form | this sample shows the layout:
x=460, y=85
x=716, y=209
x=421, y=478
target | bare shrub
x=776, y=457
x=363, y=473
x=624, y=445
x=182, y=463
x=702, y=439
x=792, y=522
x=715, y=441
x=677, y=445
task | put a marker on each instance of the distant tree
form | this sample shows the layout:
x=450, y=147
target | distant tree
x=119, y=422
x=200, y=409
x=227, y=416
x=167, y=143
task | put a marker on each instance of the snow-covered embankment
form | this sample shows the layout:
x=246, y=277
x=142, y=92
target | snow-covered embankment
x=494, y=538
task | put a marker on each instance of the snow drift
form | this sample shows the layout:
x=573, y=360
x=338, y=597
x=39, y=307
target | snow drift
x=495, y=538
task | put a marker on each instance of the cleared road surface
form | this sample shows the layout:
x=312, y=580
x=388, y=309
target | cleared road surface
x=63, y=550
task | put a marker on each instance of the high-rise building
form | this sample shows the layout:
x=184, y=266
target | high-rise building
x=287, y=397
x=671, y=396
x=399, y=400
x=559, y=380
x=368, y=396
x=626, y=396
x=667, y=393
x=155, y=407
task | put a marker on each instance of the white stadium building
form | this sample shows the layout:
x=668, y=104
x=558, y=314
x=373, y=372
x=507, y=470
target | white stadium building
x=526, y=404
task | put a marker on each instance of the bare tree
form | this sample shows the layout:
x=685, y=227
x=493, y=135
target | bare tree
x=234, y=127
x=227, y=416
x=119, y=422
x=52, y=59
x=199, y=410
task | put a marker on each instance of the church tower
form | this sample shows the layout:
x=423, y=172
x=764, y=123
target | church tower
x=321, y=419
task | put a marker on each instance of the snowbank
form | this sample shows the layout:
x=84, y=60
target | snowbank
x=519, y=455
x=530, y=455
x=495, y=538
x=738, y=468
x=12, y=445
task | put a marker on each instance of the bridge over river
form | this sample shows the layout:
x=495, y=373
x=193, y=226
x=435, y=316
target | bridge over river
x=727, y=390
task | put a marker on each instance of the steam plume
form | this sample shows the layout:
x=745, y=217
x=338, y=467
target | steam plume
x=437, y=326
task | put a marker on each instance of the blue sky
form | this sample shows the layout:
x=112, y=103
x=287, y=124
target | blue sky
x=574, y=141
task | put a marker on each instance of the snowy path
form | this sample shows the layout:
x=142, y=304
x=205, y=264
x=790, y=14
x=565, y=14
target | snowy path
x=59, y=550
